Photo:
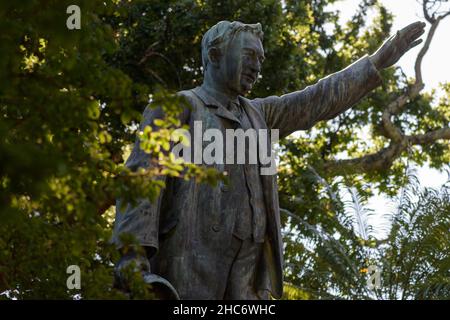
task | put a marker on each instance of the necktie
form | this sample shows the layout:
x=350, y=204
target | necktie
x=236, y=110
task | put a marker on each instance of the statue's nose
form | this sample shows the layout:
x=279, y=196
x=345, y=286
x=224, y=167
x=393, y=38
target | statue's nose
x=256, y=67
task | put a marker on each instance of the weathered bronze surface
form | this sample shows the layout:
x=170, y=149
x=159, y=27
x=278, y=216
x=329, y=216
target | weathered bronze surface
x=224, y=242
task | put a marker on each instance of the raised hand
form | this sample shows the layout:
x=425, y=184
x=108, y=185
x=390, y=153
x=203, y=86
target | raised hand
x=397, y=45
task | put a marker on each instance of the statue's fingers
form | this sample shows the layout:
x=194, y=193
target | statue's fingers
x=418, y=32
x=413, y=36
x=415, y=26
x=411, y=30
x=415, y=43
x=410, y=40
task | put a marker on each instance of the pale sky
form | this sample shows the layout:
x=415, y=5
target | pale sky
x=435, y=70
x=435, y=66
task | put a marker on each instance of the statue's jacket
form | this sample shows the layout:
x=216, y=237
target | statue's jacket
x=186, y=225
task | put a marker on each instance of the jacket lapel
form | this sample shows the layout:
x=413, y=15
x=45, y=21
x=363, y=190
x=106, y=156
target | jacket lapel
x=213, y=104
x=273, y=252
x=254, y=115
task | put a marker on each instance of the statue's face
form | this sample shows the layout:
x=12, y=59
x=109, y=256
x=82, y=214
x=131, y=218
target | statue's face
x=242, y=62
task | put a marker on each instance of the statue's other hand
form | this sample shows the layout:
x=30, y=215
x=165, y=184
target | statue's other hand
x=397, y=45
x=134, y=262
x=138, y=263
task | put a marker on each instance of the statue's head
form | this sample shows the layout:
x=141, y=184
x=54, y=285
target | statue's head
x=232, y=54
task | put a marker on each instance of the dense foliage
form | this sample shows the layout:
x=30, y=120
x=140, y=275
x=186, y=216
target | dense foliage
x=70, y=102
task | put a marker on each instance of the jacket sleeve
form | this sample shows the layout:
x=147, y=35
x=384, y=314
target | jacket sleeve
x=142, y=220
x=324, y=100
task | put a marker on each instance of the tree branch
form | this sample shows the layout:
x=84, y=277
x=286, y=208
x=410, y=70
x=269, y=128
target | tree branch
x=384, y=158
x=430, y=137
x=423, y=51
x=399, y=103
x=427, y=16
x=378, y=161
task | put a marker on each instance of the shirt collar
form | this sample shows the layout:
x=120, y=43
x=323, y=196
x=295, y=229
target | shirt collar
x=214, y=98
x=210, y=99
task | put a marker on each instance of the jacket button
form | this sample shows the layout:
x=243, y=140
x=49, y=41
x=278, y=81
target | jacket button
x=216, y=228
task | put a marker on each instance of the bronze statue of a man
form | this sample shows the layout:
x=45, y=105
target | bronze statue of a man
x=224, y=241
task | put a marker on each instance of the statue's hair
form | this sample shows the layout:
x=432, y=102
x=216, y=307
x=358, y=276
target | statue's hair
x=221, y=33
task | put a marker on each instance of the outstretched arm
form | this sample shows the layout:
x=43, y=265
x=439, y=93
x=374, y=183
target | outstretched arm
x=336, y=93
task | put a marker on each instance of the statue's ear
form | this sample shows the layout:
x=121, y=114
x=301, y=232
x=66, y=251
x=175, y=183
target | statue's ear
x=214, y=56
